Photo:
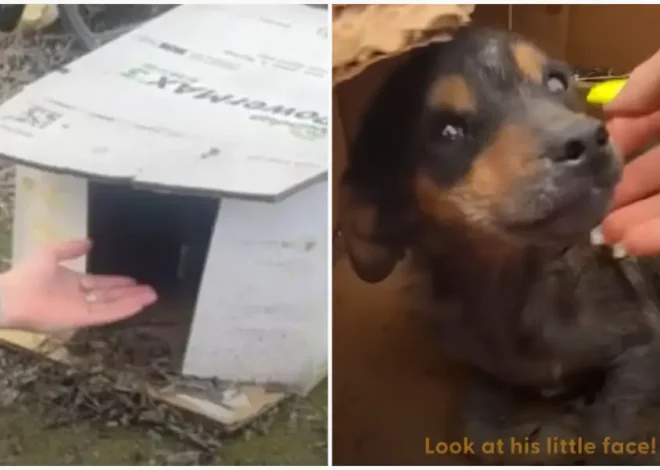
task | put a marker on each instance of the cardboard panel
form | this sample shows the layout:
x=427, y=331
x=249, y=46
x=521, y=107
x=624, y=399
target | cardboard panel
x=613, y=36
x=391, y=387
x=586, y=36
x=491, y=15
x=365, y=34
x=546, y=25
x=261, y=314
x=109, y=114
x=48, y=208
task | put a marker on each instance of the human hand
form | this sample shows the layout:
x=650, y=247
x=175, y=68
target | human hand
x=39, y=294
x=633, y=118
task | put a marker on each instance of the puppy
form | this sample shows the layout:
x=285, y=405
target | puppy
x=476, y=161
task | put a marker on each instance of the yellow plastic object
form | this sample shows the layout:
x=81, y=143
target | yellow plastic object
x=603, y=93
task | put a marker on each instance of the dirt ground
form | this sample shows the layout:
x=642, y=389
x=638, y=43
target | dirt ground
x=292, y=434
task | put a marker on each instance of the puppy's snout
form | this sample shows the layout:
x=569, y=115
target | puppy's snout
x=579, y=141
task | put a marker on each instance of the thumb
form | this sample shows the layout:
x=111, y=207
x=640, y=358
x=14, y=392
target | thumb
x=70, y=249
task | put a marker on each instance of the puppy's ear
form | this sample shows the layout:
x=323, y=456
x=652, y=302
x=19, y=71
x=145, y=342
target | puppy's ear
x=373, y=193
x=367, y=236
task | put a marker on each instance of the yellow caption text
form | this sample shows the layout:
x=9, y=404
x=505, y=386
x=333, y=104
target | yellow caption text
x=550, y=446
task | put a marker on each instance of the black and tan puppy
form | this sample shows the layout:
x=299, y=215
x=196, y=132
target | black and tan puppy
x=476, y=161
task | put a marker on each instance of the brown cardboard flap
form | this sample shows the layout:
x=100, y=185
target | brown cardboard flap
x=611, y=36
x=364, y=34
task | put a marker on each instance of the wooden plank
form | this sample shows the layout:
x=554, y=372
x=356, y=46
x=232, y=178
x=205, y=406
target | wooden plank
x=262, y=315
x=35, y=342
x=232, y=99
x=236, y=407
x=240, y=405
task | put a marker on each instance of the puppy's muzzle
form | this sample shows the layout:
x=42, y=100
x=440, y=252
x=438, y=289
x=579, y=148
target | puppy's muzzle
x=581, y=147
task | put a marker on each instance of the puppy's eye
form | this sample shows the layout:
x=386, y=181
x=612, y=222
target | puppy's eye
x=556, y=83
x=453, y=132
x=445, y=126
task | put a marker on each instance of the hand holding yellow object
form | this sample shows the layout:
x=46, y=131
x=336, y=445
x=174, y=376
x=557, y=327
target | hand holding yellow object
x=633, y=121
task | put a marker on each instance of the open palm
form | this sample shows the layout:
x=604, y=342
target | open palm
x=40, y=294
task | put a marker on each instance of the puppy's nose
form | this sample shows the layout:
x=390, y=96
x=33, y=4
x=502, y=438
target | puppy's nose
x=577, y=141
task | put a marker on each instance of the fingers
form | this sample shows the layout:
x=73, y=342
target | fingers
x=640, y=179
x=643, y=239
x=101, y=314
x=633, y=120
x=90, y=282
x=144, y=294
x=621, y=221
x=636, y=227
x=629, y=134
x=118, y=304
x=641, y=94
x=70, y=249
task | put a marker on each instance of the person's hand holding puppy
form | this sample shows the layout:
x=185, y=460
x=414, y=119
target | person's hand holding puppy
x=633, y=119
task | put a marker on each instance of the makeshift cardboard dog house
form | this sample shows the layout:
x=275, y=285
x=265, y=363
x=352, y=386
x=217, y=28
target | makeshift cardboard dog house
x=193, y=150
x=393, y=395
